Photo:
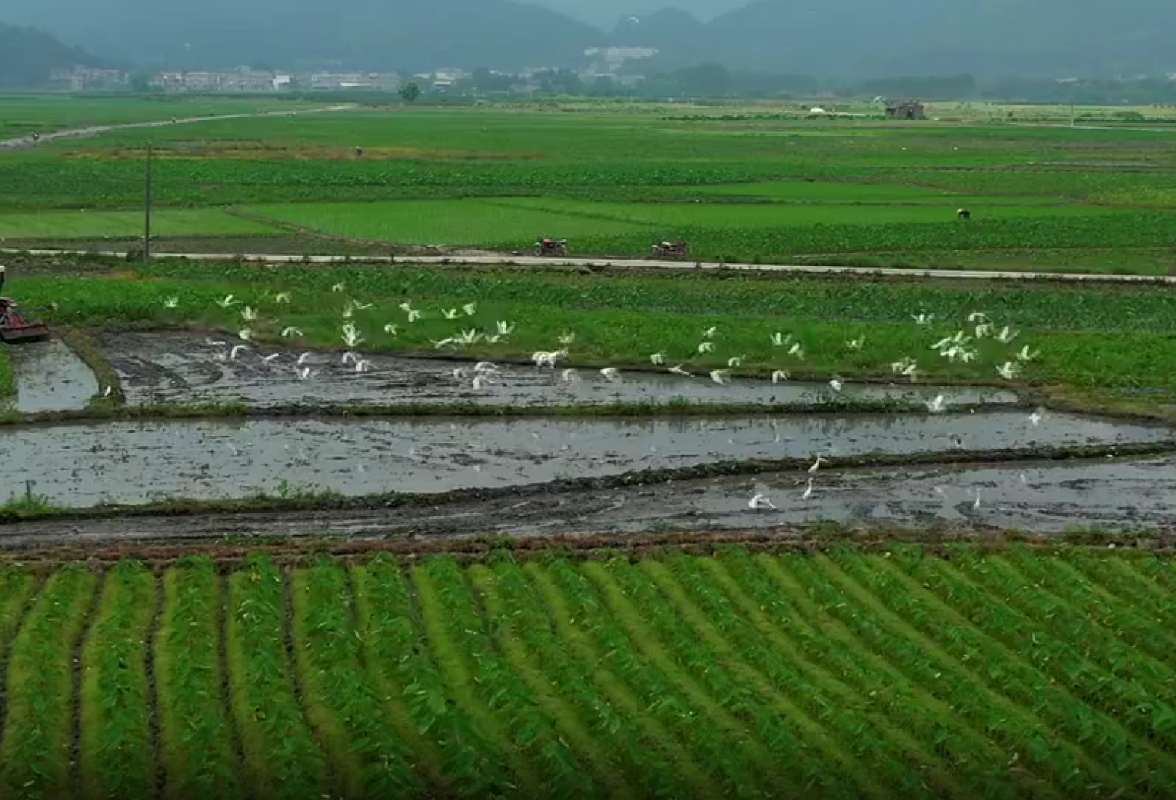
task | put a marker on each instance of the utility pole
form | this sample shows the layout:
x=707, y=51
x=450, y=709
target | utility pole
x=147, y=206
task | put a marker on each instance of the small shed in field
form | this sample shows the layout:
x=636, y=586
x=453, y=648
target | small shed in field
x=905, y=109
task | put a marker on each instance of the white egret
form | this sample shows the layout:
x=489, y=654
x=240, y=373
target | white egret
x=1036, y=417
x=1027, y=355
x=227, y=301
x=415, y=315
x=440, y=343
x=249, y=314
x=469, y=337
x=976, y=505
x=214, y=343
x=977, y=316
x=450, y=314
x=983, y=329
x=171, y=302
x=658, y=359
x=363, y=365
x=569, y=376
x=506, y=329
x=567, y=339
x=1006, y=335
x=611, y=374
x=780, y=340
x=706, y=347
x=282, y=297
x=1009, y=370
x=808, y=490
x=817, y=465
x=495, y=339
x=485, y=367
x=710, y=332
x=759, y=502
x=923, y=319
x=245, y=334
x=271, y=358
x=236, y=351
x=351, y=336
x=349, y=358
x=720, y=376
x=936, y=406
x=391, y=329
x=302, y=359
x=290, y=332
x=358, y=306
x=836, y=384
x=460, y=374
x=796, y=350
x=680, y=370
x=735, y=361
x=780, y=375
x=337, y=288
x=470, y=309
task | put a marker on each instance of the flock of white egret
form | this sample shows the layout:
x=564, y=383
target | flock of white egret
x=963, y=346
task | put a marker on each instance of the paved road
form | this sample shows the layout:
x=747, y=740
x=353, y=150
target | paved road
x=641, y=264
x=95, y=130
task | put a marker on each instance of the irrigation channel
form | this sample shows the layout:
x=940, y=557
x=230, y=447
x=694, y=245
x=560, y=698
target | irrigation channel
x=979, y=466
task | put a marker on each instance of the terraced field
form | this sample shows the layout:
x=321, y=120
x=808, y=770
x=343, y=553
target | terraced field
x=1013, y=674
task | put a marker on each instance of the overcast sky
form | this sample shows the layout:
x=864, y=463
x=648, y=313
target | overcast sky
x=605, y=13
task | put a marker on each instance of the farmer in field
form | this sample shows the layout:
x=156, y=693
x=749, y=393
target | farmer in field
x=3, y=269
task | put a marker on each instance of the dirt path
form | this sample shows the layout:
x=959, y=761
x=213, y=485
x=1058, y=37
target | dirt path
x=622, y=265
x=96, y=130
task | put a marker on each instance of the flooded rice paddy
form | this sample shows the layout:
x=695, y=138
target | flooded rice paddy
x=181, y=368
x=50, y=377
x=82, y=465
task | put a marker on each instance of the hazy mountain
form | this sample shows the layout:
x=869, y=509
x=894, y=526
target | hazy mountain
x=27, y=56
x=846, y=38
x=1031, y=37
x=372, y=34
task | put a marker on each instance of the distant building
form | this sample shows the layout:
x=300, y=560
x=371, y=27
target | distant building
x=906, y=109
x=83, y=79
x=609, y=60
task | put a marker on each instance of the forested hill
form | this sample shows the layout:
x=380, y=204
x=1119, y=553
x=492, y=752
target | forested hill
x=27, y=56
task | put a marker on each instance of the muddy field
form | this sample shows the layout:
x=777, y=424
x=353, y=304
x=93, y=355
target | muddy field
x=82, y=465
x=1124, y=497
x=182, y=368
x=50, y=377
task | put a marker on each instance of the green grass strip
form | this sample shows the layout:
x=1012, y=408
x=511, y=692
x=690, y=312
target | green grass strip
x=570, y=608
x=891, y=757
x=368, y=758
x=282, y=759
x=481, y=678
x=512, y=636
x=451, y=753
x=116, y=758
x=35, y=755
x=1029, y=743
x=7, y=377
x=859, y=679
x=715, y=695
x=195, y=734
x=1011, y=672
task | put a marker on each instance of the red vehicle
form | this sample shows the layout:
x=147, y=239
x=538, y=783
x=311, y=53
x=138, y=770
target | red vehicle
x=14, y=326
x=551, y=247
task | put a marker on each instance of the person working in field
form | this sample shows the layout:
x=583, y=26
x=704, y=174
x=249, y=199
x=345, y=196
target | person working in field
x=3, y=269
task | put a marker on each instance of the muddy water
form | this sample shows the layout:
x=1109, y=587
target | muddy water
x=163, y=367
x=133, y=462
x=1111, y=496
x=50, y=377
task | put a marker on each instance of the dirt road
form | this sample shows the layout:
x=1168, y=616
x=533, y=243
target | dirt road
x=95, y=130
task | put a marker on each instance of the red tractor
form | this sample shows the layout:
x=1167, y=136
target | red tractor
x=551, y=247
x=14, y=326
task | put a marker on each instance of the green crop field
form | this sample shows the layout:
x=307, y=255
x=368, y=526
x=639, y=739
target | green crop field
x=166, y=222
x=739, y=186
x=845, y=675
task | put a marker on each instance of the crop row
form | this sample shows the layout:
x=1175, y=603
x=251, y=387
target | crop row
x=1004, y=675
